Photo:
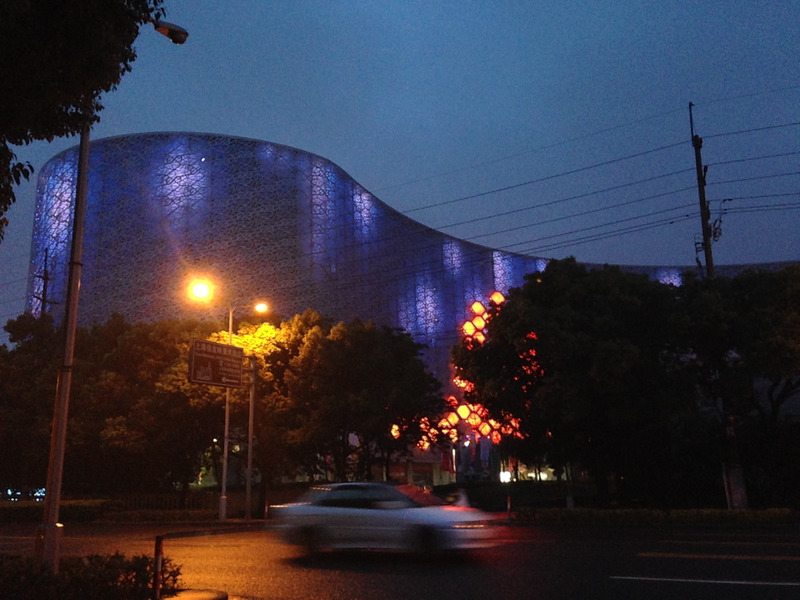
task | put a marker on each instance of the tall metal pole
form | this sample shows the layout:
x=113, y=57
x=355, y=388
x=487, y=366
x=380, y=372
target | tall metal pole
x=249, y=485
x=223, y=498
x=705, y=213
x=48, y=539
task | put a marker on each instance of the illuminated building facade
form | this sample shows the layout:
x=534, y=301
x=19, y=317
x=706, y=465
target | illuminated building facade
x=270, y=221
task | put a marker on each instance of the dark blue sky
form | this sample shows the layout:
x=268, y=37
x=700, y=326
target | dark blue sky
x=553, y=128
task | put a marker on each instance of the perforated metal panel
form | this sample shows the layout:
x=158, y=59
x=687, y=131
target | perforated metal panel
x=266, y=221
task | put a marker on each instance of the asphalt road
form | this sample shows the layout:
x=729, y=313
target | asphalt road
x=536, y=562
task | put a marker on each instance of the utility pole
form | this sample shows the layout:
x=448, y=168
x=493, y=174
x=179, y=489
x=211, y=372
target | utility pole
x=48, y=539
x=45, y=277
x=705, y=213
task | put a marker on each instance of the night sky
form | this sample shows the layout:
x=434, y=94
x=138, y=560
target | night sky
x=550, y=128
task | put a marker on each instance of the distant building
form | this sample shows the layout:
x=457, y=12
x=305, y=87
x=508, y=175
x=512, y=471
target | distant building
x=267, y=222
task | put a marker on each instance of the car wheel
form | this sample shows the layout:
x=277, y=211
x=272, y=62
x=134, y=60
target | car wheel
x=311, y=538
x=424, y=540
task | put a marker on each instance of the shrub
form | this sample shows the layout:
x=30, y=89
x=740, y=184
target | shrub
x=72, y=511
x=95, y=577
x=652, y=516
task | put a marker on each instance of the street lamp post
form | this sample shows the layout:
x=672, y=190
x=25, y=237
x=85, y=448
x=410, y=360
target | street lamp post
x=203, y=291
x=48, y=537
x=223, y=497
x=248, y=508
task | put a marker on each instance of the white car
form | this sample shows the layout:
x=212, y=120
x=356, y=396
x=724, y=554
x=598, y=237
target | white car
x=379, y=516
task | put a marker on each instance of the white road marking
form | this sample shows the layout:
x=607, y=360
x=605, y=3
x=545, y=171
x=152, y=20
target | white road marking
x=713, y=581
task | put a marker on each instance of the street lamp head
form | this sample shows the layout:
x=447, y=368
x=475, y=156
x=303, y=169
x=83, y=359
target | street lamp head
x=201, y=290
x=261, y=307
x=175, y=33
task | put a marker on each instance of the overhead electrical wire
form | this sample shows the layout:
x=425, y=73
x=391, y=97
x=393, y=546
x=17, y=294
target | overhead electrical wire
x=545, y=178
x=533, y=150
x=581, y=214
x=752, y=130
x=410, y=267
x=567, y=199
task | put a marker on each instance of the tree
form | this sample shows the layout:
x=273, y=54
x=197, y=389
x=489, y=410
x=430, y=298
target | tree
x=767, y=335
x=136, y=423
x=56, y=60
x=583, y=358
x=745, y=363
x=275, y=454
x=347, y=388
x=27, y=388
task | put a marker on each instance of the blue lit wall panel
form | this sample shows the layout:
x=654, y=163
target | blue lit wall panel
x=267, y=221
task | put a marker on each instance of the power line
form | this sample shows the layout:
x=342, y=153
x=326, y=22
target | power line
x=606, y=163
x=653, y=224
x=561, y=200
x=763, y=208
x=579, y=138
x=757, y=197
x=532, y=151
x=758, y=178
x=546, y=178
x=752, y=158
x=748, y=95
x=582, y=214
x=612, y=234
x=753, y=130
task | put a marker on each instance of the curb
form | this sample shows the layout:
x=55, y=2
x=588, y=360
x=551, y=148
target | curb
x=201, y=595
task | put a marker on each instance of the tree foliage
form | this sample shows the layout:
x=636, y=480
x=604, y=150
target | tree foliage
x=745, y=362
x=27, y=390
x=125, y=431
x=634, y=380
x=124, y=422
x=56, y=60
x=137, y=424
x=347, y=387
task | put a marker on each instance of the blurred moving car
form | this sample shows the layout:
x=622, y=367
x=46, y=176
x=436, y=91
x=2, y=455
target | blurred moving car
x=380, y=516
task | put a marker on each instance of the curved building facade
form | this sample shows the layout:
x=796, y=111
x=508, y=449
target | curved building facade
x=266, y=221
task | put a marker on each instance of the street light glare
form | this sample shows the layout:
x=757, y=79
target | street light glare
x=261, y=307
x=201, y=290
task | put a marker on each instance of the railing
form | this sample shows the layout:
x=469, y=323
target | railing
x=193, y=501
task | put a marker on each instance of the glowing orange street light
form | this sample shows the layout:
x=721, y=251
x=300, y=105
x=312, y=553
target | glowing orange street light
x=201, y=290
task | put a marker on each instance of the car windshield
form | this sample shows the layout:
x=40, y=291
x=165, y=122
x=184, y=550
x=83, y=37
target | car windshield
x=370, y=495
x=420, y=496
